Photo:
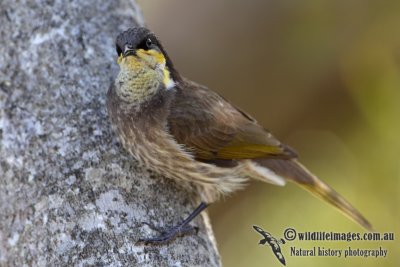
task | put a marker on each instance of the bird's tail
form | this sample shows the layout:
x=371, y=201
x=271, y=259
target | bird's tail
x=294, y=171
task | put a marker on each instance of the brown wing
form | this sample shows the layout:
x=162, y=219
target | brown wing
x=214, y=129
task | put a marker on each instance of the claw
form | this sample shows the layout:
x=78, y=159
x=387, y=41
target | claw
x=171, y=234
x=180, y=230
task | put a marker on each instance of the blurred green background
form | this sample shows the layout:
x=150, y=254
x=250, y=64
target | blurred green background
x=324, y=77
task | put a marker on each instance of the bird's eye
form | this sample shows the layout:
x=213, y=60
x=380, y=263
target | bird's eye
x=149, y=43
x=146, y=44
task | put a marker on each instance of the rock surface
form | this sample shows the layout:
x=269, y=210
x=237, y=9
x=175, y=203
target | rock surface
x=69, y=194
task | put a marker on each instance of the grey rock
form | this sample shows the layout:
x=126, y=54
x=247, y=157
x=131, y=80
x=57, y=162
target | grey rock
x=69, y=194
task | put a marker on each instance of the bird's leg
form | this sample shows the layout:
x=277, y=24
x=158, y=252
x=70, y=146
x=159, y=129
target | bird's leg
x=179, y=230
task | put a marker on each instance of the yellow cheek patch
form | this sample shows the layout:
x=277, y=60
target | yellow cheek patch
x=151, y=55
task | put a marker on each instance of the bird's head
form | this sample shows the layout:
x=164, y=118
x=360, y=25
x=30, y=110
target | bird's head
x=144, y=65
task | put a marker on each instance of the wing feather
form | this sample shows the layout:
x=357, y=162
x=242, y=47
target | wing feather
x=213, y=128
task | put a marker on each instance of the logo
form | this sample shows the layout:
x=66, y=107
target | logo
x=297, y=250
x=271, y=241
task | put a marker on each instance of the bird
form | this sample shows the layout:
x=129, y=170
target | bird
x=273, y=242
x=186, y=132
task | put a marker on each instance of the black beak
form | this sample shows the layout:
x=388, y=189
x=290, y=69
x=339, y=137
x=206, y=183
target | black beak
x=128, y=51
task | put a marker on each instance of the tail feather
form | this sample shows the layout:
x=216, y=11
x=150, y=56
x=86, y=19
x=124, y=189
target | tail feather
x=294, y=171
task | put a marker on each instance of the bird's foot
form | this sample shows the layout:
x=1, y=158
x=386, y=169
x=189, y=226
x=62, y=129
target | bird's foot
x=168, y=235
x=180, y=230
